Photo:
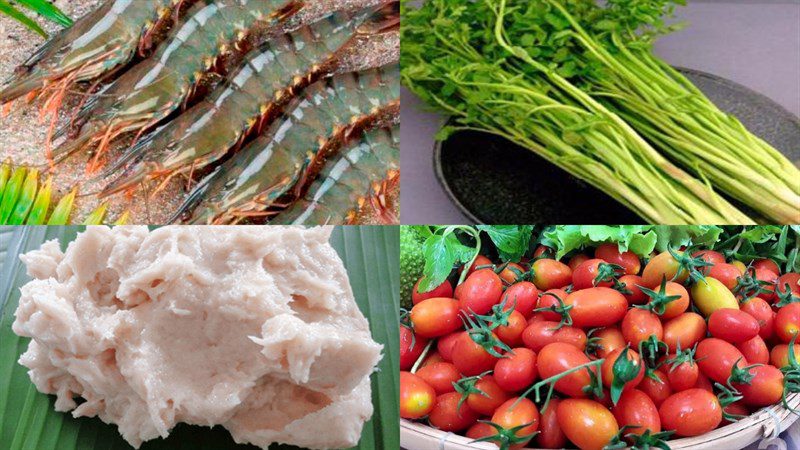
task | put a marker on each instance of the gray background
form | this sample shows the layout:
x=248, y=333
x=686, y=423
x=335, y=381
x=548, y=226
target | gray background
x=755, y=43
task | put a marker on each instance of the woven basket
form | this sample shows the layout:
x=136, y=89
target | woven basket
x=762, y=424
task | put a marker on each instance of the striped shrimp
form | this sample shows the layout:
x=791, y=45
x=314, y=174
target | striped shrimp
x=293, y=150
x=357, y=178
x=212, y=39
x=95, y=47
x=256, y=95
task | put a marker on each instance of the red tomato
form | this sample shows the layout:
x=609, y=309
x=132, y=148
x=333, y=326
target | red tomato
x=765, y=388
x=510, y=415
x=576, y=260
x=492, y=397
x=596, y=307
x=607, y=369
x=435, y=317
x=663, y=265
x=586, y=423
x=704, y=383
x=711, y=256
x=550, y=274
x=586, y=274
x=559, y=357
x=470, y=358
x=516, y=372
x=792, y=280
x=550, y=434
x=691, y=412
x=410, y=347
x=725, y=273
x=448, y=416
x=440, y=376
x=764, y=315
x=732, y=325
x=433, y=357
x=636, y=409
x=416, y=396
x=608, y=340
x=480, y=291
x=543, y=251
x=679, y=305
x=682, y=376
x=445, y=345
x=687, y=328
x=787, y=322
x=716, y=358
x=443, y=290
x=540, y=333
x=779, y=356
x=771, y=278
x=627, y=260
x=550, y=298
x=511, y=333
x=512, y=272
x=766, y=264
x=735, y=408
x=639, y=324
x=480, y=430
x=632, y=283
x=521, y=296
x=658, y=390
x=480, y=261
x=755, y=350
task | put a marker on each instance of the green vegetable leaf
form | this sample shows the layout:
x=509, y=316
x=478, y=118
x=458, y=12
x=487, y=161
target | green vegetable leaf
x=442, y=252
x=639, y=239
x=511, y=240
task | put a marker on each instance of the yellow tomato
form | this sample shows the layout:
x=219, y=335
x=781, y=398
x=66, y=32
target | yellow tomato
x=739, y=265
x=711, y=295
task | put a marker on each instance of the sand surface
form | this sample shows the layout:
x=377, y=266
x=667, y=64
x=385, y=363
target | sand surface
x=23, y=135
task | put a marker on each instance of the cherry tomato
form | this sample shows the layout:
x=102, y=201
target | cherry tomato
x=765, y=388
x=688, y=329
x=448, y=416
x=711, y=256
x=764, y=315
x=766, y=264
x=627, y=260
x=480, y=291
x=521, y=296
x=639, y=324
x=540, y=333
x=739, y=265
x=410, y=347
x=608, y=340
x=632, y=283
x=585, y=275
x=732, y=325
x=787, y=322
x=512, y=273
x=660, y=266
x=576, y=260
x=779, y=356
x=596, y=307
x=470, y=358
x=493, y=396
x=682, y=376
x=704, y=383
x=636, y=409
x=416, y=396
x=771, y=279
x=543, y=251
x=550, y=274
x=480, y=261
x=677, y=306
x=586, y=423
x=511, y=333
x=691, y=412
x=710, y=295
x=735, y=408
x=792, y=280
x=480, y=430
x=517, y=371
x=727, y=274
x=443, y=290
x=550, y=434
x=445, y=345
x=440, y=376
x=716, y=358
x=559, y=357
x=516, y=412
x=432, y=358
x=435, y=317
x=607, y=368
x=656, y=386
x=755, y=350
x=549, y=299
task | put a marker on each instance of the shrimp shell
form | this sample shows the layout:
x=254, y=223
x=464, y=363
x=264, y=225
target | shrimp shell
x=211, y=40
x=329, y=114
x=359, y=175
x=270, y=79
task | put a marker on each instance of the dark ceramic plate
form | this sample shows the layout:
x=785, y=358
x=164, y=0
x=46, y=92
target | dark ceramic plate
x=495, y=181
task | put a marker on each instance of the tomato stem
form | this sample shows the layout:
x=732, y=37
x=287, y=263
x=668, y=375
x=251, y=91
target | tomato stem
x=551, y=382
x=422, y=357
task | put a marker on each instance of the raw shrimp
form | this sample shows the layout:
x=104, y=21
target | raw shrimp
x=270, y=79
x=209, y=42
x=292, y=150
x=359, y=176
x=96, y=46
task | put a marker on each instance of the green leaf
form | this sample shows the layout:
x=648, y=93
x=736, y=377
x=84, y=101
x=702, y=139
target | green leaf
x=41, y=205
x=47, y=10
x=27, y=417
x=8, y=10
x=442, y=252
x=96, y=217
x=26, y=197
x=11, y=194
x=60, y=215
x=639, y=239
x=511, y=240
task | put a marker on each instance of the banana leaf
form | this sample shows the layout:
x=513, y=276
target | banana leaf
x=27, y=417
